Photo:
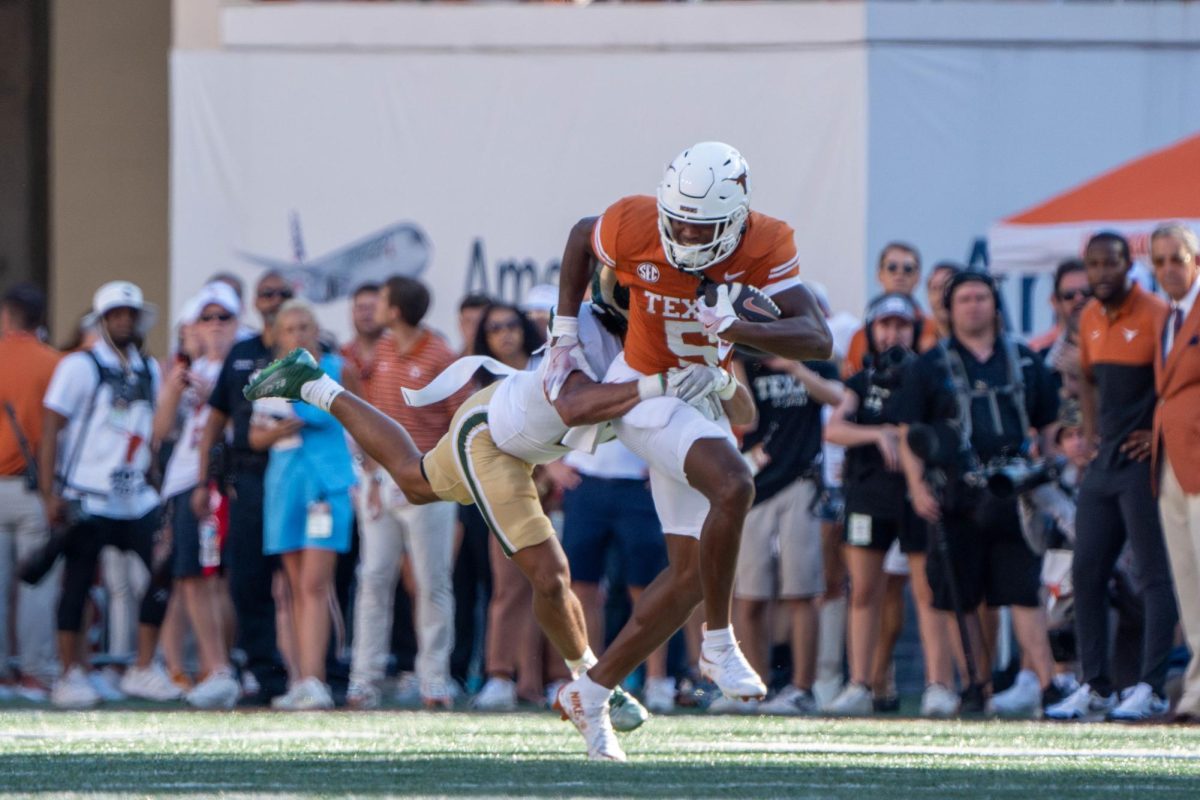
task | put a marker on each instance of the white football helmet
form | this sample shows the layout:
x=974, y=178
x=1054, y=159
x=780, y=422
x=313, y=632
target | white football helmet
x=707, y=184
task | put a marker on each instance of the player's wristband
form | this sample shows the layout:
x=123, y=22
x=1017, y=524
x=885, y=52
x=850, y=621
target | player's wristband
x=651, y=386
x=728, y=389
x=564, y=326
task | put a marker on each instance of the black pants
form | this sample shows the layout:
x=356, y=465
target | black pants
x=82, y=551
x=250, y=573
x=472, y=592
x=1116, y=505
x=991, y=561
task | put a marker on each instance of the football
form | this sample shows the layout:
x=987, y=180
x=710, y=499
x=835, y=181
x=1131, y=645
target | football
x=749, y=303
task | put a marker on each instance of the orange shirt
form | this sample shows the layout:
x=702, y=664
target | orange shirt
x=414, y=369
x=857, y=351
x=28, y=366
x=1117, y=353
x=663, y=329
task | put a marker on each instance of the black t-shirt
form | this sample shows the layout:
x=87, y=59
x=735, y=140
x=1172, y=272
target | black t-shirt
x=789, y=425
x=870, y=487
x=927, y=395
x=243, y=360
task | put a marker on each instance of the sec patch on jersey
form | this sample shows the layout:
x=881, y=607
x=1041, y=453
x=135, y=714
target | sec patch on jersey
x=750, y=303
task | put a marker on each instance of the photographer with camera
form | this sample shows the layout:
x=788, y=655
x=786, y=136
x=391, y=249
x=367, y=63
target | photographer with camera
x=1120, y=332
x=94, y=482
x=968, y=405
x=878, y=512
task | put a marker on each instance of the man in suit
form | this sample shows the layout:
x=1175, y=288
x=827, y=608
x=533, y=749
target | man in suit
x=1173, y=251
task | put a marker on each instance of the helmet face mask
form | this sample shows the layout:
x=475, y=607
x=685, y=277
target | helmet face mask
x=706, y=185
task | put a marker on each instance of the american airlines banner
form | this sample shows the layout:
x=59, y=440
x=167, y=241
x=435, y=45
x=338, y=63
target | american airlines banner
x=468, y=172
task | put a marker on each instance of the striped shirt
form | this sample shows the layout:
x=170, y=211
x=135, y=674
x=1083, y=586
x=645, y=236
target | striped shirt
x=413, y=369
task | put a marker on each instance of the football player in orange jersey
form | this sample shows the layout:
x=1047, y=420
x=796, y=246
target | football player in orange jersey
x=699, y=229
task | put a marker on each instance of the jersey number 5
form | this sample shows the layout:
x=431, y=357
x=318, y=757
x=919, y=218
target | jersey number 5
x=677, y=329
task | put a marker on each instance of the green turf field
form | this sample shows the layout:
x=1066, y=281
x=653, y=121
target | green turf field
x=184, y=754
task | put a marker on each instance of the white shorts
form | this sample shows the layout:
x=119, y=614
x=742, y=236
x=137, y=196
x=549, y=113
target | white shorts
x=661, y=431
x=780, y=554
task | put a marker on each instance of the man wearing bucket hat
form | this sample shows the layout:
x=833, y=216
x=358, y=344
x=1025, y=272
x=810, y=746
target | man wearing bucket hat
x=95, y=454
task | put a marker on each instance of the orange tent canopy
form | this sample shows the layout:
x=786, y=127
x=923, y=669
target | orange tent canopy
x=1162, y=185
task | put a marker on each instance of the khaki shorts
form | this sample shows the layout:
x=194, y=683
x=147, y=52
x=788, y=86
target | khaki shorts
x=780, y=555
x=467, y=467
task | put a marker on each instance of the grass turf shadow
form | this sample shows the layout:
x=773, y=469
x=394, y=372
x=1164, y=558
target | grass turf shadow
x=457, y=776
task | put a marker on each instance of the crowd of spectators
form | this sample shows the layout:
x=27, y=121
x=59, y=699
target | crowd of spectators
x=163, y=538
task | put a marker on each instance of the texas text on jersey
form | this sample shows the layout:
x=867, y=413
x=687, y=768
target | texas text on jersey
x=663, y=328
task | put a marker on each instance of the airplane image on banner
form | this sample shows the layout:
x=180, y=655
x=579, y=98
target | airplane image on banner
x=399, y=249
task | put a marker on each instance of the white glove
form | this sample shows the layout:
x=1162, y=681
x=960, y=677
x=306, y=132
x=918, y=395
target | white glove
x=563, y=357
x=717, y=318
x=695, y=382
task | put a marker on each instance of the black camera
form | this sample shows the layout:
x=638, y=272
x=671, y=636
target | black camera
x=889, y=366
x=32, y=569
x=1019, y=475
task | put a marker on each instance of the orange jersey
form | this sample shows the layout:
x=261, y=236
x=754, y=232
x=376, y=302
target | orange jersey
x=664, y=331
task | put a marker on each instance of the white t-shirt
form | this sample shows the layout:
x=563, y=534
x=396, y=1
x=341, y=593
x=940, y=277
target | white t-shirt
x=109, y=470
x=611, y=460
x=183, y=469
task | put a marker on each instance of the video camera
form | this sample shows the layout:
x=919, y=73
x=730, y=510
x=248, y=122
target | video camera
x=889, y=366
x=939, y=444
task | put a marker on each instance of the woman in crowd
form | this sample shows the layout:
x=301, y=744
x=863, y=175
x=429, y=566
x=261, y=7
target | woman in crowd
x=513, y=641
x=211, y=323
x=878, y=512
x=307, y=510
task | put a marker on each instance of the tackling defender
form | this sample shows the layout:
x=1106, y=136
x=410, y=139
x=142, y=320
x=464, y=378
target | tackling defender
x=487, y=456
x=700, y=229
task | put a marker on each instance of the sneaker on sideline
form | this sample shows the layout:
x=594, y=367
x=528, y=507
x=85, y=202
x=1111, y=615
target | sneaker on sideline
x=74, y=690
x=1139, y=704
x=790, y=701
x=363, y=696
x=220, y=690
x=309, y=694
x=626, y=713
x=149, y=683
x=408, y=690
x=107, y=684
x=590, y=718
x=438, y=694
x=1082, y=705
x=941, y=702
x=552, y=692
x=1022, y=700
x=724, y=704
x=659, y=696
x=31, y=689
x=498, y=694
x=854, y=700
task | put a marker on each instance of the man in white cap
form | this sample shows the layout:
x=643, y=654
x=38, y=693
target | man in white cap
x=94, y=486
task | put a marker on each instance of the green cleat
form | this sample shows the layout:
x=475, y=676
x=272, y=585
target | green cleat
x=284, y=377
x=626, y=713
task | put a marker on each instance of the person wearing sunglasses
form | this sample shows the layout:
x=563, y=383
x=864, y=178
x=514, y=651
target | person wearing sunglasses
x=1059, y=347
x=249, y=570
x=210, y=319
x=898, y=272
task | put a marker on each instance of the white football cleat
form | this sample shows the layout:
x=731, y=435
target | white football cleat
x=591, y=720
x=728, y=668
